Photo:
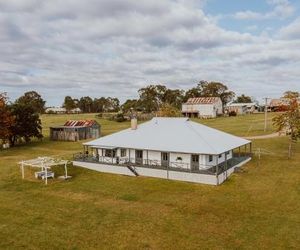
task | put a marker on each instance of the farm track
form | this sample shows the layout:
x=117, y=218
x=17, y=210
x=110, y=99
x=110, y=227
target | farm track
x=258, y=137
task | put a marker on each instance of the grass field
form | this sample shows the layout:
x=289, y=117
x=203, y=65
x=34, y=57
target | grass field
x=257, y=208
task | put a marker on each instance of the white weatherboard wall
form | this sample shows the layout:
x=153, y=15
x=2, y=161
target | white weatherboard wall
x=205, y=110
x=184, y=163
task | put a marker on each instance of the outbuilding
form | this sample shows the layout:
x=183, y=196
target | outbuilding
x=203, y=107
x=171, y=148
x=75, y=130
x=242, y=108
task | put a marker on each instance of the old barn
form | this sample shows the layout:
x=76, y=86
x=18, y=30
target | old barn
x=75, y=131
x=203, y=107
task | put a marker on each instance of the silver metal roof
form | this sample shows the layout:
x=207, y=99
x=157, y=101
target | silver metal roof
x=172, y=135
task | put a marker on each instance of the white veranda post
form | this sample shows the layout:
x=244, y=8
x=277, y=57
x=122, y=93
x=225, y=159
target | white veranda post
x=22, y=169
x=46, y=174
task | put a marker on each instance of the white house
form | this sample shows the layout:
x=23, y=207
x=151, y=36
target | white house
x=242, y=108
x=203, y=107
x=171, y=148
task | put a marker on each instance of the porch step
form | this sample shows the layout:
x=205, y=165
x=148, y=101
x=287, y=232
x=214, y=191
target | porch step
x=132, y=169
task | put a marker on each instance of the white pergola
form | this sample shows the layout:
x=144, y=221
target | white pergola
x=45, y=163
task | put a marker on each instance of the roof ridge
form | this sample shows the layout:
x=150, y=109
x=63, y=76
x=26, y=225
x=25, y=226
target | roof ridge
x=190, y=126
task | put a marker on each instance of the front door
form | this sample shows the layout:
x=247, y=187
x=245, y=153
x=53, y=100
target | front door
x=165, y=159
x=139, y=156
x=195, y=162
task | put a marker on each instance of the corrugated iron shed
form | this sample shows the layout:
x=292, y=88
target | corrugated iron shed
x=80, y=123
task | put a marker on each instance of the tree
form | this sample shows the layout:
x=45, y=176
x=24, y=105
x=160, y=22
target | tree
x=33, y=99
x=6, y=118
x=167, y=110
x=289, y=121
x=99, y=104
x=151, y=97
x=27, y=123
x=210, y=89
x=130, y=104
x=291, y=94
x=173, y=97
x=192, y=93
x=112, y=104
x=216, y=89
x=69, y=103
x=243, y=99
x=86, y=104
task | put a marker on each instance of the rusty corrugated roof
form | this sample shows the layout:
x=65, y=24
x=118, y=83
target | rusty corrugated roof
x=280, y=102
x=203, y=100
x=80, y=123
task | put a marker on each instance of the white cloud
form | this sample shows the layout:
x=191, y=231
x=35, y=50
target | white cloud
x=280, y=9
x=291, y=31
x=115, y=47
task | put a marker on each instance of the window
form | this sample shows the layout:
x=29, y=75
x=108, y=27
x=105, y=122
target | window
x=228, y=152
x=220, y=155
x=123, y=152
x=165, y=156
x=195, y=158
x=210, y=159
x=110, y=153
x=139, y=154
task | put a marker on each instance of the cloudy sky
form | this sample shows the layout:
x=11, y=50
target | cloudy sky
x=114, y=47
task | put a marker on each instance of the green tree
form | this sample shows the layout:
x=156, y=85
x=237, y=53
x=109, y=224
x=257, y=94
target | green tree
x=151, y=97
x=289, y=121
x=173, y=97
x=69, y=103
x=112, y=104
x=130, y=104
x=210, y=89
x=27, y=123
x=243, y=99
x=6, y=119
x=86, y=104
x=216, y=89
x=192, y=93
x=33, y=99
x=99, y=104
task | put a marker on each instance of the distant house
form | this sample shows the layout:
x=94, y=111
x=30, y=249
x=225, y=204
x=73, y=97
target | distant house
x=59, y=110
x=279, y=104
x=169, y=148
x=75, y=131
x=203, y=107
x=242, y=108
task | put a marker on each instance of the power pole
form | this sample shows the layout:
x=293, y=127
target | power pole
x=266, y=113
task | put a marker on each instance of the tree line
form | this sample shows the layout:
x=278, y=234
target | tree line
x=152, y=97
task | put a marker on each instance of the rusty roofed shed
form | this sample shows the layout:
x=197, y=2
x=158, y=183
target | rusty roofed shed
x=75, y=130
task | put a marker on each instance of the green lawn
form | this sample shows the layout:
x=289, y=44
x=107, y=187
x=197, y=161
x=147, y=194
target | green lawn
x=257, y=208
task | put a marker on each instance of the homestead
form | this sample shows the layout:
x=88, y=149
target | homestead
x=203, y=107
x=75, y=131
x=188, y=152
x=242, y=108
